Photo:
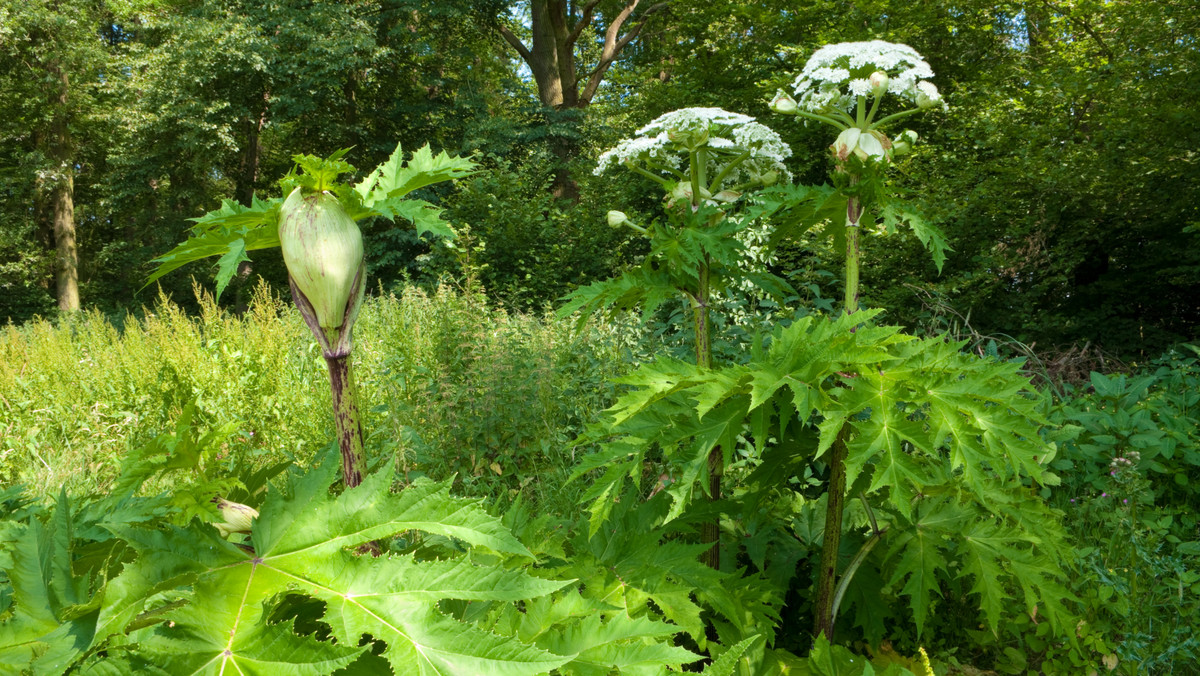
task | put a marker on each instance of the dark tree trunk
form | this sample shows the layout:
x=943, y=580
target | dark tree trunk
x=61, y=199
x=251, y=153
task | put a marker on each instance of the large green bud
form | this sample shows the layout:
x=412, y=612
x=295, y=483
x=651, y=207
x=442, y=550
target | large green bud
x=323, y=250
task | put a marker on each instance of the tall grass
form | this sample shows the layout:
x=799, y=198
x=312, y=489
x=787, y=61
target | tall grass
x=450, y=384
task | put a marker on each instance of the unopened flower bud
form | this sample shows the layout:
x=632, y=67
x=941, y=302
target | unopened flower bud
x=680, y=191
x=783, y=103
x=864, y=145
x=879, y=83
x=323, y=250
x=770, y=178
x=846, y=143
x=237, y=517
x=617, y=218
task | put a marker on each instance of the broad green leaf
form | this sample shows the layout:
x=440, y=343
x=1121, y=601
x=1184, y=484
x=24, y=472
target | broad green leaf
x=306, y=542
x=616, y=642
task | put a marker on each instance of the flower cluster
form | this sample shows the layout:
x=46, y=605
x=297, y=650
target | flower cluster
x=836, y=75
x=1121, y=462
x=665, y=145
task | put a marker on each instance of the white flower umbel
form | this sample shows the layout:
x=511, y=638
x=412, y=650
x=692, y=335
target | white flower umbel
x=837, y=75
x=844, y=85
x=737, y=153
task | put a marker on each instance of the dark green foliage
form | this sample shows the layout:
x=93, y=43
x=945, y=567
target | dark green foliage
x=944, y=444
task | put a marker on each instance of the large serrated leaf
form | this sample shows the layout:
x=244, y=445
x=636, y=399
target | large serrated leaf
x=306, y=541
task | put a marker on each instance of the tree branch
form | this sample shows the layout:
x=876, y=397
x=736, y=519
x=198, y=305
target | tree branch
x=516, y=43
x=583, y=22
x=614, y=44
x=1087, y=28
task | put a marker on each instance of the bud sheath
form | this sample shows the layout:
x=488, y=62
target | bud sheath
x=323, y=250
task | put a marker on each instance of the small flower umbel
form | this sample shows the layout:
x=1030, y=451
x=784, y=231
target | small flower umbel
x=702, y=155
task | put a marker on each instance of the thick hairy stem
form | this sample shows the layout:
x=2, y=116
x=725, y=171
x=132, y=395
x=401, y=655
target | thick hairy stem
x=710, y=531
x=825, y=614
x=345, y=414
x=336, y=346
x=853, y=253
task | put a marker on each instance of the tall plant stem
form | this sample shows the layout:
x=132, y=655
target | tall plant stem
x=346, y=417
x=336, y=346
x=710, y=531
x=824, y=614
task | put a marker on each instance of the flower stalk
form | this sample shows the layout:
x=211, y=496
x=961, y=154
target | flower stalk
x=837, y=81
x=326, y=274
x=701, y=157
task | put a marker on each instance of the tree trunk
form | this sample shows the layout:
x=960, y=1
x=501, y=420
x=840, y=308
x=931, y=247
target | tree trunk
x=62, y=198
x=67, y=256
x=251, y=153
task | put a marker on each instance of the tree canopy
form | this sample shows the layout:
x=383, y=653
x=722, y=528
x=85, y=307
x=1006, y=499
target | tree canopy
x=1066, y=176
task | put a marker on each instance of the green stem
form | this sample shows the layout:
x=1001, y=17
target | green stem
x=657, y=179
x=847, y=576
x=861, y=121
x=824, y=614
x=852, y=245
x=661, y=167
x=896, y=116
x=824, y=119
x=874, y=108
x=730, y=166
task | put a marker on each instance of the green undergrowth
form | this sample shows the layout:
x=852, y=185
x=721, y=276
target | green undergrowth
x=495, y=395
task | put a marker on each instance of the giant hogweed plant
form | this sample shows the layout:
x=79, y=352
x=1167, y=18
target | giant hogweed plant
x=704, y=160
x=941, y=450
x=303, y=578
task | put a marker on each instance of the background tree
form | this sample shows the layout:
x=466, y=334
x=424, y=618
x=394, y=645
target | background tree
x=52, y=56
x=568, y=71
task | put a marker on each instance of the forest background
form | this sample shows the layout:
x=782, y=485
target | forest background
x=1066, y=175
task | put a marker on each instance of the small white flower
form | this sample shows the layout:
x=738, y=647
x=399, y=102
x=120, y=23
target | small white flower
x=928, y=96
x=860, y=87
x=836, y=74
